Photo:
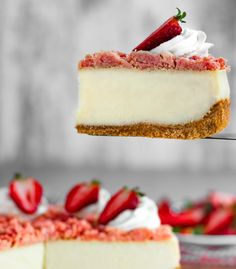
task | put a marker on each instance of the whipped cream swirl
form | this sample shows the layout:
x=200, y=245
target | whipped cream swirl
x=188, y=43
x=144, y=216
x=97, y=208
x=8, y=206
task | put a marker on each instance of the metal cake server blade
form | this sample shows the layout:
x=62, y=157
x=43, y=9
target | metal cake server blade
x=229, y=137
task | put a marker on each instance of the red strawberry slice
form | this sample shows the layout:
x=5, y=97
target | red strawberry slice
x=122, y=200
x=26, y=193
x=82, y=195
x=218, y=199
x=165, y=32
x=219, y=220
x=190, y=217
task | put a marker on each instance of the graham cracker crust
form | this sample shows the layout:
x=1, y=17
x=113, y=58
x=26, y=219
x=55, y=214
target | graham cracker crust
x=213, y=122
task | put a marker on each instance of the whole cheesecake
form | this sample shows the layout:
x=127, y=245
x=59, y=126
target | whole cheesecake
x=173, y=90
x=91, y=230
x=59, y=241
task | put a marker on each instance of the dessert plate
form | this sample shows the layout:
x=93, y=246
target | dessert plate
x=208, y=240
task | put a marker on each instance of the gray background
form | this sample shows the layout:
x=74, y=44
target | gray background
x=41, y=42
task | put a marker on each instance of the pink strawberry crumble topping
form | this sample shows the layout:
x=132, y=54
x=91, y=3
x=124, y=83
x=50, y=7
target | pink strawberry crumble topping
x=59, y=225
x=15, y=232
x=146, y=60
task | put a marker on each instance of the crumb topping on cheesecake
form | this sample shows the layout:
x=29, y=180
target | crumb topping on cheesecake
x=16, y=232
x=56, y=225
x=147, y=60
x=59, y=225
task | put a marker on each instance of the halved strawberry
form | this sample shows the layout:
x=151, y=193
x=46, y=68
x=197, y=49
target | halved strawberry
x=219, y=220
x=122, y=200
x=26, y=193
x=82, y=195
x=189, y=217
x=165, y=32
x=218, y=199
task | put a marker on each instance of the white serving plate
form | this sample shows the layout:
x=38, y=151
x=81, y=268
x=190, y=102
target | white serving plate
x=208, y=240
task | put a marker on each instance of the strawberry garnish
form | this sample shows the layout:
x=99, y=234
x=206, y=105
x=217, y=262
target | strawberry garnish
x=26, y=193
x=82, y=195
x=165, y=32
x=219, y=220
x=189, y=217
x=218, y=199
x=124, y=199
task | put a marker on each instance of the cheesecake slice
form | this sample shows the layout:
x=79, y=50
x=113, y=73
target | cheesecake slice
x=146, y=94
x=162, y=254
x=21, y=244
x=167, y=87
x=127, y=234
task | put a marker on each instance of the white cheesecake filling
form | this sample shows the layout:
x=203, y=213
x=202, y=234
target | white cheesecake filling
x=29, y=257
x=73, y=254
x=112, y=96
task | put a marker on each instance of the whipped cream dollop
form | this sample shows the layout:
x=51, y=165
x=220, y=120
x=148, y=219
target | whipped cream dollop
x=8, y=206
x=97, y=208
x=144, y=216
x=188, y=43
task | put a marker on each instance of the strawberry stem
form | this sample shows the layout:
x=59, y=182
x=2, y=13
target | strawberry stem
x=17, y=176
x=138, y=192
x=181, y=15
x=96, y=182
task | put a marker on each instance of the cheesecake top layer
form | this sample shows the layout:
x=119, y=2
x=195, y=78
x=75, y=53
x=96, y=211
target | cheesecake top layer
x=56, y=225
x=147, y=60
x=16, y=232
x=60, y=225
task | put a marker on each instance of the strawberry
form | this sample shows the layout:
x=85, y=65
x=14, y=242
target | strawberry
x=218, y=199
x=26, y=193
x=189, y=217
x=220, y=219
x=165, y=32
x=164, y=210
x=82, y=195
x=228, y=231
x=122, y=200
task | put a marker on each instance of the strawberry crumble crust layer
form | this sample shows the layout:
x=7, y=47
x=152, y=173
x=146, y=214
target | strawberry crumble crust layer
x=213, y=122
x=55, y=226
x=146, y=60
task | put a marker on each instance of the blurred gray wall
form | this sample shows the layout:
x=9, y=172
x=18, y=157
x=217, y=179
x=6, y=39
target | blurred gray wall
x=41, y=42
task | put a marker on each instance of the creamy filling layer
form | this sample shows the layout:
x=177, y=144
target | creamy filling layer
x=115, y=96
x=93, y=254
x=29, y=257
x=116, y=255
